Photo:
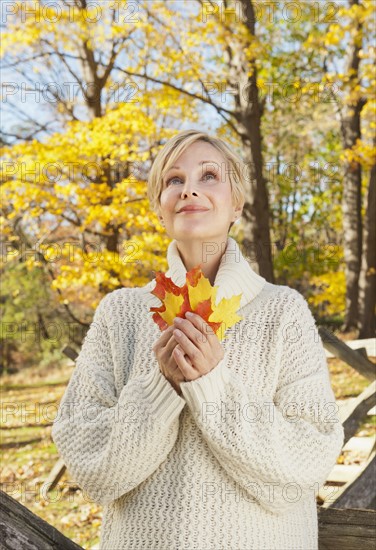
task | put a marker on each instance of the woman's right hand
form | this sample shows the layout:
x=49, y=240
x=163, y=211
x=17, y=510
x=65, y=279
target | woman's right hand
x=163, y=349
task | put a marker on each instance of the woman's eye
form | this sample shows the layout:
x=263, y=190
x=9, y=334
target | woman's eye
x=211, y=174
x=172, y=179
x=177, y=178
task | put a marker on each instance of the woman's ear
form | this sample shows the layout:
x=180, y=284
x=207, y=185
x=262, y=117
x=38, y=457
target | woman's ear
x=238, y=212
x=157, y=211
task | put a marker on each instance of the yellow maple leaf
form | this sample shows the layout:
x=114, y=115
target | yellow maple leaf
x=196, y=295
x=225, y=311
x=202, y=291
x=173, y=305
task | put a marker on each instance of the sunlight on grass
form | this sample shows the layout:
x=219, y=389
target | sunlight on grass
x=346, y=381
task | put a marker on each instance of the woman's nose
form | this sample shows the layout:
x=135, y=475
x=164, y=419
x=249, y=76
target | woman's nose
x=188, y=189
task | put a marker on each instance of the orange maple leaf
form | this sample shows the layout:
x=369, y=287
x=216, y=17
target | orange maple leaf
x=196, y=295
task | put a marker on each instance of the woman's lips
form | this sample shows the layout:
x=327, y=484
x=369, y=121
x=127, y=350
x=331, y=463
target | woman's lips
x=192, y=211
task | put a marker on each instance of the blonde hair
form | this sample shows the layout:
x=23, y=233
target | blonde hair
x=175, y=146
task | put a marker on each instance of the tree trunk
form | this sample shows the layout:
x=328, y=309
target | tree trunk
x=367, y=279
x=352, y=222
x=352, y=236
x=248, y=113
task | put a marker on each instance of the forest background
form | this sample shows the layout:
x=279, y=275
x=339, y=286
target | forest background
x=92, y=91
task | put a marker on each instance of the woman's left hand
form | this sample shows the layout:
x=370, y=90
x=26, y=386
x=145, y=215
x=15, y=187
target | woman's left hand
x=200, y=343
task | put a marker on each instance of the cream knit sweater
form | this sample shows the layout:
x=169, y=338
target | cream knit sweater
x=233, y=463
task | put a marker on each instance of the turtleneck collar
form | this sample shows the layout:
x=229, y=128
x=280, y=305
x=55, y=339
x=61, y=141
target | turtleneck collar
x=234, y=275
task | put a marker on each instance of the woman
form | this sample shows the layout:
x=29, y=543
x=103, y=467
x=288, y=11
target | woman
x=190, y=442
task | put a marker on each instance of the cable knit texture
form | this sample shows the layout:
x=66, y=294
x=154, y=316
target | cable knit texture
x=236, y=461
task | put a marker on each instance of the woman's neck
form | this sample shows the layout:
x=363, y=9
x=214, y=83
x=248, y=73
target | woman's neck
x=206, y=253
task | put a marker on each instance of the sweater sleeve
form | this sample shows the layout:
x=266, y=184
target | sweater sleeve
x=110, y=443
x=281, y=451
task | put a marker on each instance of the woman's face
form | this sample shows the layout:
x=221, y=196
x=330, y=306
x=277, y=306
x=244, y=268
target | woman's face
x=200, y=179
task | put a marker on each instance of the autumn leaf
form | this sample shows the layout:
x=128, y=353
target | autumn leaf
x=196, y=295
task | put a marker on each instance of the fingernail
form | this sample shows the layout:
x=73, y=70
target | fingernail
x=189, y=314
x=178, y=320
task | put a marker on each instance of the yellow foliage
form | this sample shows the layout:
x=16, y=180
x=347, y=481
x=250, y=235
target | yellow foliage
x=84, y=179
x=363, y=153
x=330, y=293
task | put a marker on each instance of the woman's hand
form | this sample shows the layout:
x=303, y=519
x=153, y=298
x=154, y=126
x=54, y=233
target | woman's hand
x=200, y=344
x=163, y=349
